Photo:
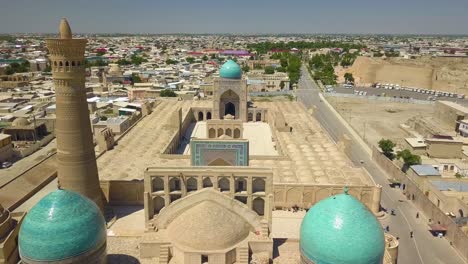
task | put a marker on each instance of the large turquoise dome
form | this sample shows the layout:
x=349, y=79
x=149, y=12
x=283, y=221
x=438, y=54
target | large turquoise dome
x=340, y=229
x=230, y=70
x=62, y=225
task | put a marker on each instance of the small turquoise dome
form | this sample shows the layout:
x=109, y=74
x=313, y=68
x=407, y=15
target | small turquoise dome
x=230, y=70
x=61, y=225
x=340, y=229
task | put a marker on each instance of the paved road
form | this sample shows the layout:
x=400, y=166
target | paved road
x=423, y=248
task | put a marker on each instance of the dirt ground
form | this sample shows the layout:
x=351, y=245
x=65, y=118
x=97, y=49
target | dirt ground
x=374, y=120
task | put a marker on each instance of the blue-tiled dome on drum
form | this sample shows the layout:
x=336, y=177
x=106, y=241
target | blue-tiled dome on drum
x=65, y=227
x=230, y=70
x=340, y=229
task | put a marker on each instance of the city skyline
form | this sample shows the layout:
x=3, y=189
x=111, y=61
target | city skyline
x=243, y=17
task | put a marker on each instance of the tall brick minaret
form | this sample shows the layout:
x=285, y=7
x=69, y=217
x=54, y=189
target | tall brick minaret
x=77, y=169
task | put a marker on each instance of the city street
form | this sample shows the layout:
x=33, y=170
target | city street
x=423, y=248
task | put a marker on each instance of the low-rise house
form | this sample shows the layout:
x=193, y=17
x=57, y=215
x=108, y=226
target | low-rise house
x=416, y=145
x=444, y=147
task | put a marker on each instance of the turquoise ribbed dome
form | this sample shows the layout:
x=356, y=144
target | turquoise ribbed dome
x=340, y=229
x=230, y=70
x=61, y=225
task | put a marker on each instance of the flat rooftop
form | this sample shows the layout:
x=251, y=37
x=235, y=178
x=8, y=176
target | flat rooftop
x=258, y=134
x=451, y=185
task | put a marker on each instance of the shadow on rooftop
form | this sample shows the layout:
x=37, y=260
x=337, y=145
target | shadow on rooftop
x=121, y=259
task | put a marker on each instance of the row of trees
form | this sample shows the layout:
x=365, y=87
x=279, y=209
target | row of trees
x=387, y=146
x=134, y=59
x=264, y=47
x=322, y=67
x=290, y=63
x=17, y=67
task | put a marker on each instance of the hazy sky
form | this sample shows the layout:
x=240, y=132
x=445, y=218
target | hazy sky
x=240, y=16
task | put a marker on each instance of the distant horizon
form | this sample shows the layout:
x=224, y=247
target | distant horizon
x=245, y=34
x=241, y=17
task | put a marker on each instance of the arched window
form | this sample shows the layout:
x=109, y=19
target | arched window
x=220, y=132
x=223, y=185
x=158, y=184
x=208, y=115
x=236, y=133
x=258, y=117
x=229, y=132
x=212, y=133
x=174, y=184
x=241, y=185
x=250, y=117
x=200, y=116
x=55, y=63
x=192, y=184
x=207, y=182
x=73, y=63
x=79, y=63
x=258, y=185
x=67, y=64
x=60, y=63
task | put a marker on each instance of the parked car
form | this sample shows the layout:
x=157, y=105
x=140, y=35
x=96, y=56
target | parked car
x=6, y=164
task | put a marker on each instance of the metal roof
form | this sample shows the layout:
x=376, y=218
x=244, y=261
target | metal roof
x=425, y=170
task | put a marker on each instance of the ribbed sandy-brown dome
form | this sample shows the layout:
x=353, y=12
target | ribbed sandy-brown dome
x=209, y=226
x=20, y=122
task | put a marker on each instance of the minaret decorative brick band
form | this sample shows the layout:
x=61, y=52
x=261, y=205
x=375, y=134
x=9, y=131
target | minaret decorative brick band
x=77, y=168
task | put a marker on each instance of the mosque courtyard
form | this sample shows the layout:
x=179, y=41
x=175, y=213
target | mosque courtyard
x=309, y=155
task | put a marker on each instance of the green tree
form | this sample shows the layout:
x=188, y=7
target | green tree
x=386, y=145
x=17, y=67
x=245, y=68
x=281, y=69
x=123, y=62
x=96, y=63
x=170, y=61
x=269, y=70
x=136, y=78
x=137, y=60
x=349, y=77
x=408, y=158
x=168, y=93
x=205, y=58
x=284, y=62
x=190, y=60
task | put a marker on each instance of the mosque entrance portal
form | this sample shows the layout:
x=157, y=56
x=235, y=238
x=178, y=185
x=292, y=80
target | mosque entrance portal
x=230, y=109
x=229, y=104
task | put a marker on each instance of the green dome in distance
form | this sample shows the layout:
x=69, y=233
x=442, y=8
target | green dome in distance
x=61, y=225
x=340, y=229
x=230, y=70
